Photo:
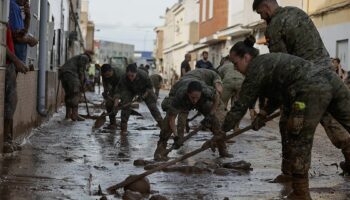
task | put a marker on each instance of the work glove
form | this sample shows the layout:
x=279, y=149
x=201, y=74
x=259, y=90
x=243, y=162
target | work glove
x=259, y=122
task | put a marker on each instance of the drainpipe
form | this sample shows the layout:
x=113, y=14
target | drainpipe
x=41, y=101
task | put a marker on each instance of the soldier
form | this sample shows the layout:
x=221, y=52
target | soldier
x=135, y=82
x=307, y=91
x=156, y=80
x=110, y=79
x=290, y=30
x=232, y=81
x=210, y=78
x=72, y=77
x=185, y=95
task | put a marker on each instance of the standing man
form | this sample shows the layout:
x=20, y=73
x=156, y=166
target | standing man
x=185, y=65
x=72, y=75
x=19, y=28
x=16, y=34
x=290, y=30
x=135, y=82
x=156, y=80
x=13, y=66
x=204, y=63
x=110, y=79
x=185, y=95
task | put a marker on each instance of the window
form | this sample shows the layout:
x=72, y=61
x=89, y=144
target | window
x=204, y=10
x=211, y=9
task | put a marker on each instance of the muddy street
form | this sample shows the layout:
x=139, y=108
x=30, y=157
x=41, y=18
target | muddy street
x=69, y=160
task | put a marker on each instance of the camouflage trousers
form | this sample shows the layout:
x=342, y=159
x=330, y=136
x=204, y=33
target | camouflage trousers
x=10, y=91
x=156, y=91
x=151, y=102
x=71, y=85
x=230, y=91
x=215, y=122
x=323, y=95
x=109, y=108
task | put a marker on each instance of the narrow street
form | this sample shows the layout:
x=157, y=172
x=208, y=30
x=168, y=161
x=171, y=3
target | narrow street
x=69, y=160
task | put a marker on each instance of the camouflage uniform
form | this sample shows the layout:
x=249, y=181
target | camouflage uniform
x=127, y=90
x=210, y=78
x=292, y=31
x=178, y=102
x=231, y=81
x=156, y=80
x=295, y=80
x=109, y=85
x=71, y=74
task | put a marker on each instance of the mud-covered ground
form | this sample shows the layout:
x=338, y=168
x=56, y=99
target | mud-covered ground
x=69, y=160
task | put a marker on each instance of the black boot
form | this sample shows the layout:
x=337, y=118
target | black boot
x=159, y=154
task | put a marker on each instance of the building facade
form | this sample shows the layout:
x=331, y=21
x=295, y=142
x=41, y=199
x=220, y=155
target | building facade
x=332, y=18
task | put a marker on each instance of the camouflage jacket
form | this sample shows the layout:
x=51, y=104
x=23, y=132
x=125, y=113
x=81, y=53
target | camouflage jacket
x=76, y=66
x=271, y=75
x=139, y=86
x=156, y=80
x=228, y=73
x=292, y=31
x=208, y=76
x=109, y=84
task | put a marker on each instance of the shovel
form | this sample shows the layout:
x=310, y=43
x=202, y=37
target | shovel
x=205, y=146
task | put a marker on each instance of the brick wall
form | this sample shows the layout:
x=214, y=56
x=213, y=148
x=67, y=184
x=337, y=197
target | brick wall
x=219, y=20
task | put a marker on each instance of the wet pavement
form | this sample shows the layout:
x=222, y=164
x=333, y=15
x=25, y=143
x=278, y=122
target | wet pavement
x=69, y=160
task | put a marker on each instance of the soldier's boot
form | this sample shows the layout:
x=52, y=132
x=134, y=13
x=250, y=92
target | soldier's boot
x=75, y=115
x=223, y=149
x=286, y=175
x=345, y=165
x=160, y=153
x=68, y=112
x=300, y=188
x=113, y=123
x=124, y=128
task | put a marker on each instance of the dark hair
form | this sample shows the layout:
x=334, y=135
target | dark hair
x=89, y=53
x=194, y=86
x=256, y=4
x=105, y=68
x=204, y=52
x=246, y=46
x=337, y=59
x=147, y=66
x=131, y=68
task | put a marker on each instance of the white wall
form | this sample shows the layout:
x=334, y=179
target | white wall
x=331, y=34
